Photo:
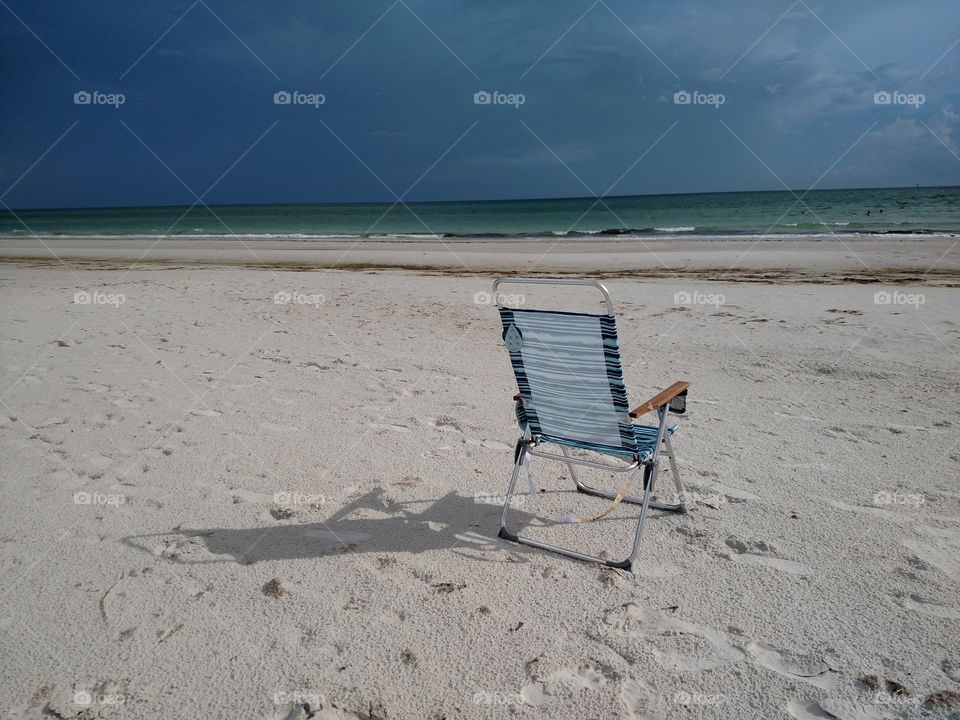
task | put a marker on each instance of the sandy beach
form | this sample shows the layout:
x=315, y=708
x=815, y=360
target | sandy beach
x=265, y=483
x=257, y=413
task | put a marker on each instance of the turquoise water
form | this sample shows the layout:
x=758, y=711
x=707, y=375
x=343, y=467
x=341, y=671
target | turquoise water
x=894, y=210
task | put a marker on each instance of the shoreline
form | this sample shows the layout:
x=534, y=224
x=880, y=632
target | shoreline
x=930, y=261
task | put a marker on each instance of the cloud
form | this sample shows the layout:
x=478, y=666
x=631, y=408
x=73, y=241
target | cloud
x=909, y=135
x=946, y=126
x=904, y=151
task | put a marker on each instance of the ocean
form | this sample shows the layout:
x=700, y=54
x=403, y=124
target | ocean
x=775, y=214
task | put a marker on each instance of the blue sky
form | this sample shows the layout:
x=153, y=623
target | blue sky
x=781, y=95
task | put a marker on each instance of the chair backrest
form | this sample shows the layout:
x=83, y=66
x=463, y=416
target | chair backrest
x=570, y=376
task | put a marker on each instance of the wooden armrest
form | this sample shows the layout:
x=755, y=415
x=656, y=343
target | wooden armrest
x=660, y=399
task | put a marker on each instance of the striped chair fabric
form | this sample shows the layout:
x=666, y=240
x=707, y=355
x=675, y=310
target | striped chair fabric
x=570, y=377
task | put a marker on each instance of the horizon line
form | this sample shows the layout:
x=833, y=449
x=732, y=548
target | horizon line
x=792, y=191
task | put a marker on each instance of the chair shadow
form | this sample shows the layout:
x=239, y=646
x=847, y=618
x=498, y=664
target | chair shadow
x=452, y=522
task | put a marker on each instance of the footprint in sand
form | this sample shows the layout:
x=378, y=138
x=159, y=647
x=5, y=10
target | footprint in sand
x=787, y=566
x=252, y=497
x=788, y=663
x=806, y=710
x=97, y=460
x=760, y=553
x=952, y=536
x=871, y=511
x=94, y=388
x=931, y=609
x=206, y=412
x=383, y=427
x=274, y=427
x=563, y=683
x=489, y=444
x=51, y=422
x=123, y=402
x=808, y=418
x=62, y=476
x=641, y=701
x=675, y=643
x=836, y=709
x=446, y=423
x=732, y=494
x=328, y=712
x=143, y=495
x=939, y=552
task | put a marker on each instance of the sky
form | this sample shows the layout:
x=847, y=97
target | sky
x=107, y=103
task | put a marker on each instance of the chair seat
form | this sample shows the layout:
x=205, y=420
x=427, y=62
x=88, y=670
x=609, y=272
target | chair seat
x=646, y=442
x=646, y=439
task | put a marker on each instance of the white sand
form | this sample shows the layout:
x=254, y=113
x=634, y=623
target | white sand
x=821, y=441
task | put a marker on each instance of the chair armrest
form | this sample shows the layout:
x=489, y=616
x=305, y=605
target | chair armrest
x=660, y=399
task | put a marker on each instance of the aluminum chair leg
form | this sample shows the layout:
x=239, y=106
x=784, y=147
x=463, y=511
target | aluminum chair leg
x=649, y=476
x=518, y=455
x=681, y=492
x=649, y=479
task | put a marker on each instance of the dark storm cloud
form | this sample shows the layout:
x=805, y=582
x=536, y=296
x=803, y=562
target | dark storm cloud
x=780, y=93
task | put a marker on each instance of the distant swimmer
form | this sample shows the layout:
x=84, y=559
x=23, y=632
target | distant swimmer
x=868, y=213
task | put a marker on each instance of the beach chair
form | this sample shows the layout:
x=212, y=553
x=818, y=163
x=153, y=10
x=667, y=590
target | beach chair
x=572, y=396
